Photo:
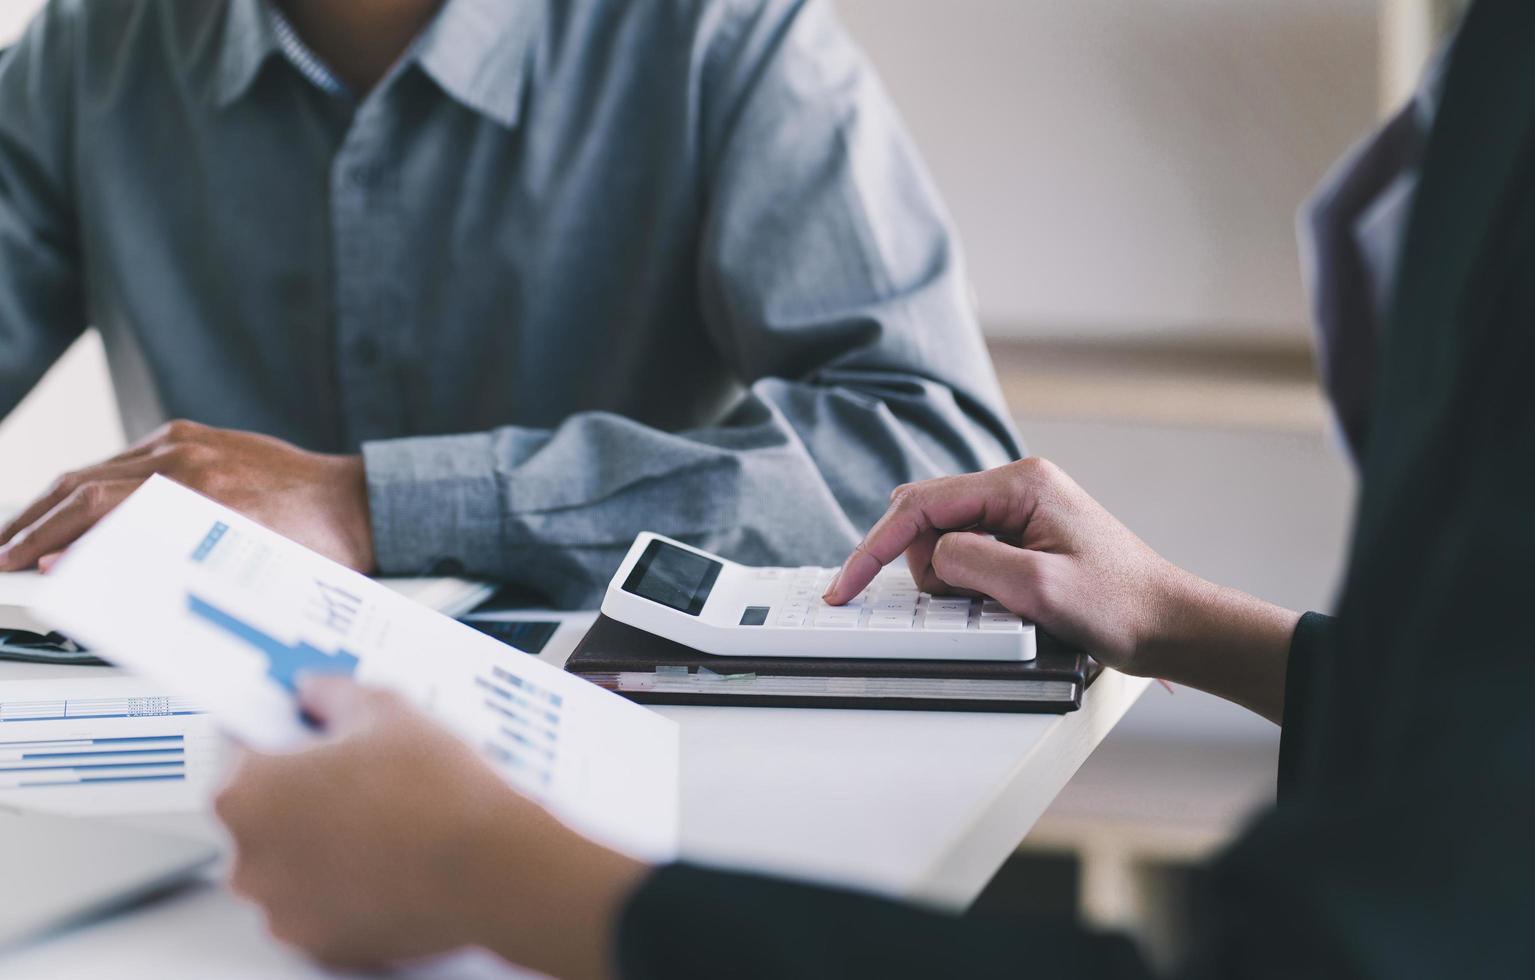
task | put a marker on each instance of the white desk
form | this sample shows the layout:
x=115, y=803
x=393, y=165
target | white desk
x=919, y=805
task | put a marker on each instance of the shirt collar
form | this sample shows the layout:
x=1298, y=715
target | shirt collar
x=302, y=58
x=248, y=40
x=477, y=51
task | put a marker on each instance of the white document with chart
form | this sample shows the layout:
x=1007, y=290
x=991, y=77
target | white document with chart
x=217, y=609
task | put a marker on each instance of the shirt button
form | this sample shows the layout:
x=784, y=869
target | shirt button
x=367, y=351
x=447, y=567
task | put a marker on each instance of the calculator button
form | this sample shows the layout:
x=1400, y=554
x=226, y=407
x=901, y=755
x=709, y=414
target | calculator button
x=824, y=609
x=946, y=623
x=1002, y=624
x=833, y=616
x=790, y=619
x=836, y=624
x=957, y=615
x=887, y=604
x=890, y=621
x=936, y=604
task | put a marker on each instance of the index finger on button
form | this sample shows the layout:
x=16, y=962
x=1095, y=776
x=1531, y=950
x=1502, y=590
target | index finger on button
x=915, y=510
x=887, y=540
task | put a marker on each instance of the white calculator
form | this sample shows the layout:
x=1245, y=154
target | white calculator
x=716, y=606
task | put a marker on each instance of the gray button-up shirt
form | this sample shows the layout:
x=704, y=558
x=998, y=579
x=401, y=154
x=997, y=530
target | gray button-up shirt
x=572, y=270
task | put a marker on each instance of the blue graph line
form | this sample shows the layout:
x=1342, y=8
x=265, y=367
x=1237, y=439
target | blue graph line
x=97, y=755
x=77, y=767
x=75, y=742
x=131, y=714
x=141, y=738
x=175, y=777
x=284, y=661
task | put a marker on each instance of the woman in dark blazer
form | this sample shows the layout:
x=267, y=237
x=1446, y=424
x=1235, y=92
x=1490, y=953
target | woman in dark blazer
x=1401, y=843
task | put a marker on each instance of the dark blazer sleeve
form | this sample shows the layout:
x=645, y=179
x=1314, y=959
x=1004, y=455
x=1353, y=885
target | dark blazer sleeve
x=688, y=922
x=1304, y=685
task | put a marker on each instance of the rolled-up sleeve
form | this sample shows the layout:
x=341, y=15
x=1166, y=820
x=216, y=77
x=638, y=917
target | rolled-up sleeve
x=41, y=309
x=832, y=287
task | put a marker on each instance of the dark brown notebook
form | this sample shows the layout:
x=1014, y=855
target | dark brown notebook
x=651, y=670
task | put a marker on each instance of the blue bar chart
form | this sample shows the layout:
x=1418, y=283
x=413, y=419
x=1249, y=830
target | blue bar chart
x=527, y=737
x=285, y=661
x=104, y=746
x=37, y=763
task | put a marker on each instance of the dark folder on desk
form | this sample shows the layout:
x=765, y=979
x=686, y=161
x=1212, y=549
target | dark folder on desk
x=651, y=670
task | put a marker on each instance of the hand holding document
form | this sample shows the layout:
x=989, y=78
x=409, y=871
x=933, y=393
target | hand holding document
x=218, y=609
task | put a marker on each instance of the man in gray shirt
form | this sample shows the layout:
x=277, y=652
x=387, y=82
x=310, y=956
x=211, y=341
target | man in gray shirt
x=487, y=286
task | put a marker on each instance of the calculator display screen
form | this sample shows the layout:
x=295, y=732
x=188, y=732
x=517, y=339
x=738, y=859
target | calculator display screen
x=673, y=577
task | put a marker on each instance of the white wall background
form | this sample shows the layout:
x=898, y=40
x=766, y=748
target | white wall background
x=14, y=15
x=1117, y=167
x=1128, y=166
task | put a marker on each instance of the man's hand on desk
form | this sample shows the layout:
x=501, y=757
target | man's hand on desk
x=318, y=500
x=1028, y=536
x=392, y=840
